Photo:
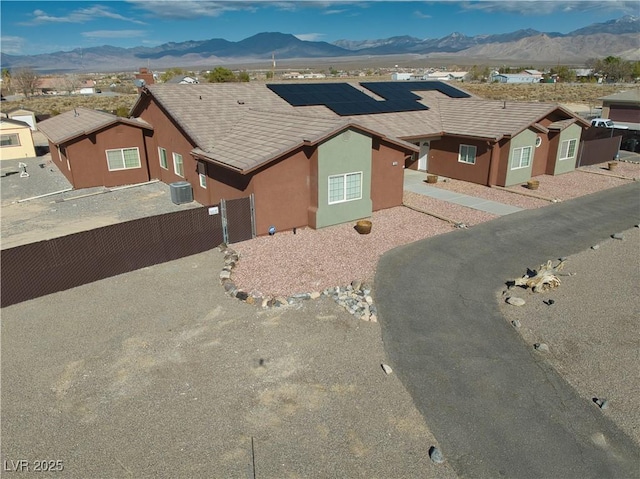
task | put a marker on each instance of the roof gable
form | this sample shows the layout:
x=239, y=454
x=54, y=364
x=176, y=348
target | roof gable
x=81, y=121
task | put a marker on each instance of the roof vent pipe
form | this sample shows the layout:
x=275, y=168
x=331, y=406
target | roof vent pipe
x=504, y=105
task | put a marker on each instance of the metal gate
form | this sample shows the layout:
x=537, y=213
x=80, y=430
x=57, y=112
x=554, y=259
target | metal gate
x=238, y=219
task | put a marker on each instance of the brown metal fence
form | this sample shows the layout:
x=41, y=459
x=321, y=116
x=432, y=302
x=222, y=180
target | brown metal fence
x=238, y=219
x=598, y=145
x=36, y=269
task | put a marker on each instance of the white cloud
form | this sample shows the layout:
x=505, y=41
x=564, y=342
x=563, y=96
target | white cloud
x=419, y=14
x=309, y=37
x=114, y=34
x=81, y=15
x=189, y=9
x=333, y=12
x=12, y=45
x=546, y=7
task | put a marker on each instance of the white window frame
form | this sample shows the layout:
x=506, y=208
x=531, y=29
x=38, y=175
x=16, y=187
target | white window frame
x=175, y=164
x=162, y=155
x=344, y=198
x=203, y=180
x=564, y=153
x=11, y=137
x=519, y=157
x=124, y=165
x=463, y=158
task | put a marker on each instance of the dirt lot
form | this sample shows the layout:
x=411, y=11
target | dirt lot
x=157, y=373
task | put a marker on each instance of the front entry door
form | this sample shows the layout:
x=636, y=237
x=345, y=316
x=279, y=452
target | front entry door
x=424, y=154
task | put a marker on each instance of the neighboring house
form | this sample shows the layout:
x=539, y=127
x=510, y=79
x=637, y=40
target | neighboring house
x=319, y=154
x=23, y=115
x=16, y=140
x=93, y=148
x=401, y=76
x=183, y=80
x=516, y=78
x=622, y=107
x=86, y=87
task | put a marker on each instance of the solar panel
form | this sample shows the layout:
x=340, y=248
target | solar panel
x=386, y=88
x=345, y=100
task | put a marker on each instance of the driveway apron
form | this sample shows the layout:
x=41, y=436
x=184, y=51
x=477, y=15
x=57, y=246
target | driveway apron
x=494, y=404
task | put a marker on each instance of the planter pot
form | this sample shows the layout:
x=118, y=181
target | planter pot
x=533, y=184
x=363, y=227
x=613, y=165
x=432, y=178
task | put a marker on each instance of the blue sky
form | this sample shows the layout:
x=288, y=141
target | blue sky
x=31, y=27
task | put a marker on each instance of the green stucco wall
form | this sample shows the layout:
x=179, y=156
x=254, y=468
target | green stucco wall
x=348, y=152
x=570, y=133
x=520, y=175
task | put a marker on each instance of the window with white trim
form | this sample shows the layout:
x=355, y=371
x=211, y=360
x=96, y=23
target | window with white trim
x=467, y=154
x=162, y=155
x=123, y=159
x=178, y=165
x=568, y=149
x=521, y=158
x=347, y=187
x=9, y=139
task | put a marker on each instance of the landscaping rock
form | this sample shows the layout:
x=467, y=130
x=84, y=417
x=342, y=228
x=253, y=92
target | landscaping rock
x=386, y=368
x=515, y=323
x=541, y=347
x=435, y=455
x=314, y=295
x=618, y=236
x=595, y=246
x=515, y=301
x=242, y=295
x=225, y=274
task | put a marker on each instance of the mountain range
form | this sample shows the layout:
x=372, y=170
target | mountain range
x=616, y=37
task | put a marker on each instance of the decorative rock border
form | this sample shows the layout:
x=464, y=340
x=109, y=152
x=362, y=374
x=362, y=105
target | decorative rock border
x=355, y=298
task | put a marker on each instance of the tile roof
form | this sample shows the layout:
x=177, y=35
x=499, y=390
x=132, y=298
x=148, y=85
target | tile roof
x=81, y=121
x=260, y=136
x=489, y=118
x=629, y=96
x=245, y=124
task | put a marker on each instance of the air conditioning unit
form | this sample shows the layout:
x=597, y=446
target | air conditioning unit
x=181, y=192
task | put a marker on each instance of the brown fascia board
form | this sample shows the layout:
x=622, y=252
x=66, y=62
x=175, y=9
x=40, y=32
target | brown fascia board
x=201, y=154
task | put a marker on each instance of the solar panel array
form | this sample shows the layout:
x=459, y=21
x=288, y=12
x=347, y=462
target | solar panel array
x=386, y=89
x=345, y=100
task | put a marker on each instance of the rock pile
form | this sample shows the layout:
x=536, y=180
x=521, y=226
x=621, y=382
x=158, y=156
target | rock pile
x=355, y=298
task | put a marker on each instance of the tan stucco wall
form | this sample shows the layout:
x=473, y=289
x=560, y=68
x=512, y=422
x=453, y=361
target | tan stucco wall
x=24, y=150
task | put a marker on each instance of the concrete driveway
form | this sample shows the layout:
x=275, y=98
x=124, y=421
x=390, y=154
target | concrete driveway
x=496, y=406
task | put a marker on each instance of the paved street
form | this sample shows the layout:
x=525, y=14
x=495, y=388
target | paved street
x=497, y=408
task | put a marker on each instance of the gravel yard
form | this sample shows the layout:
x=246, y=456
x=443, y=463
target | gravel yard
x=287, y=263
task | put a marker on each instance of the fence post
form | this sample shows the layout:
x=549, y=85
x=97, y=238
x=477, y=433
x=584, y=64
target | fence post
x=223, y=217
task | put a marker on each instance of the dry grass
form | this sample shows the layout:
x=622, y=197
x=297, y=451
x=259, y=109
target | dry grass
x=54, y=104
x=587, y=93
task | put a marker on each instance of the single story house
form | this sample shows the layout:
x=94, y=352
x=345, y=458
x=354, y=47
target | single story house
x=94, y=148
x=515, y=78
x=16, y=140
x=313, y=154
x=232, y=140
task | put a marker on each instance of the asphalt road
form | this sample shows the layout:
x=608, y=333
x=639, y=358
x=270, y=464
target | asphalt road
x=494, y=404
